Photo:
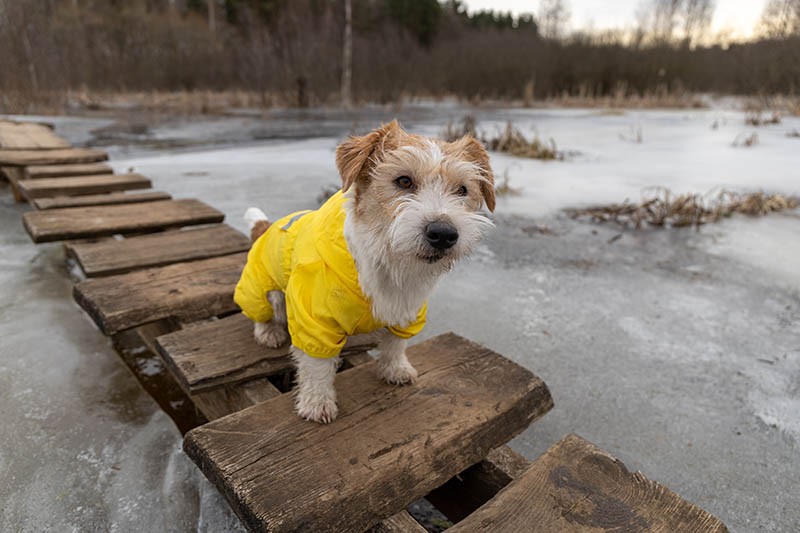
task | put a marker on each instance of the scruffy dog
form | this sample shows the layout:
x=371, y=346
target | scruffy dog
x=368, y=259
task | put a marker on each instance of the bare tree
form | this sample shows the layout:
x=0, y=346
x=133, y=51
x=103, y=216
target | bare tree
x=347, y=55
x=780, y=19
x=554, y=16
x=675, y=20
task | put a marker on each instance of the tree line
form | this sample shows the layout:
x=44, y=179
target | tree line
x=400, y=48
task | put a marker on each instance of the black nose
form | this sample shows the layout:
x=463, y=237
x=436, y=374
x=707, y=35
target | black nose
x=441, y=235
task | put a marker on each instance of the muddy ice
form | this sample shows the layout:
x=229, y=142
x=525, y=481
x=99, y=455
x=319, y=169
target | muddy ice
x=678, y=351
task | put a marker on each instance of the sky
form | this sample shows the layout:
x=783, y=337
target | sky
x=736, y=16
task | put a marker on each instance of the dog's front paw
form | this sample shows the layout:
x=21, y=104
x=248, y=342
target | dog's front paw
x=398, y=372
x=270, y=334
x=322, y=410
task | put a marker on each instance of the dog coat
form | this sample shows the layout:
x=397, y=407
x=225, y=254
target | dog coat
x=305, y=255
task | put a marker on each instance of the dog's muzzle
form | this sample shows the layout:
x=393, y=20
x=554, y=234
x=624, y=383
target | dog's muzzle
x=441, y=235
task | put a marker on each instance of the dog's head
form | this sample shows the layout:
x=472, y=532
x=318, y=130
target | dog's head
x=419, y=198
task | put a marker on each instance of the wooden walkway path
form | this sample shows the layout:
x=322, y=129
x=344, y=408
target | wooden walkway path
x=160, y=278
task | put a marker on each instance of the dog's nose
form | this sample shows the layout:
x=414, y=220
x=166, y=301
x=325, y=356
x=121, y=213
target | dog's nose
x=441, y=235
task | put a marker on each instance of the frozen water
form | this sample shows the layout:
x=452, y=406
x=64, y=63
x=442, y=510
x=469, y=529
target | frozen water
x=678, y=351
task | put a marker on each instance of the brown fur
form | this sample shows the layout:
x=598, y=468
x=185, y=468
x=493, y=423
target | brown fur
x=357, y=157
x=258, y=229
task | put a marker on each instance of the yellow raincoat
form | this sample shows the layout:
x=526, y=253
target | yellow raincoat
x=305, y=255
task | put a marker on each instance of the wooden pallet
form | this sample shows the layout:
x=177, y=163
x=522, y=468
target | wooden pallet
x=115, y=256
x=98, y=221
x=114, y=198
x=55, y=171
x=81, y=185
x=576, y=486
x=29, y=136
x=442, y=438
x=25, y=158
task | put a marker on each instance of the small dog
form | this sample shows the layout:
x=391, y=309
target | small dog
x=368, y=259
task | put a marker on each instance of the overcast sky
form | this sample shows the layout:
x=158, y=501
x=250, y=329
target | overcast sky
x=739, y=16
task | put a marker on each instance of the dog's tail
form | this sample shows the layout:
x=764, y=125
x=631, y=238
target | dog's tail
x=257, y=221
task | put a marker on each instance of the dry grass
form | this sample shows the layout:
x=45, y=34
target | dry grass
x=665, y=209
x=513, y=142
x=510, y=140
x=504, y=188
x=759, y=118
x=795, y=134
x=468, y=126
x=746, y=140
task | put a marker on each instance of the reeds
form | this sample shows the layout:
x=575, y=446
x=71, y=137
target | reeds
x=509, y=140
x=663, y=208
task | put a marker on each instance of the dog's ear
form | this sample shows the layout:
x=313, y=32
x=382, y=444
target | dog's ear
x=356, y=156
x=474, y=151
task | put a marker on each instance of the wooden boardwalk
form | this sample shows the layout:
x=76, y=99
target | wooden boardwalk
x=161, y=274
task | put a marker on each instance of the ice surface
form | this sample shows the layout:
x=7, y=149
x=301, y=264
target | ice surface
x=677, y=350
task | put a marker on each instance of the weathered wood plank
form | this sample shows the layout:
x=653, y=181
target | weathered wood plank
x=223, y=352
x=24, y=158
x=55, y=171
x=478, y=484
x=79, y=185
x=402, y=522
x=186, y=291
x=389, y=446
x=14, y=175
x=112, y=256
x=114, y=198
x=97, y=221
x=223, y=401
x=576, y=486
x=29, y=136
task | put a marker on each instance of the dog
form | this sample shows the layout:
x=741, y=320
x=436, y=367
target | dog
x=366, y=261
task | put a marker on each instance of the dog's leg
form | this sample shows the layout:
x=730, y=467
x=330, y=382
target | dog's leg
x=274, y=333
x=393, y=364
x=316, y=395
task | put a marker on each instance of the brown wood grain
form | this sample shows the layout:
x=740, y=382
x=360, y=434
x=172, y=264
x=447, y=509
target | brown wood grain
x=402, y=522
x=186, y=291
x=114, y=256
x=55, y=171
x=222, y=352
x=576, y=486
x=113, y=198
x=24, y=158
x=466, y=492
x=29, y=136
x=78, y=185
x=97, y=221
x=389, y=446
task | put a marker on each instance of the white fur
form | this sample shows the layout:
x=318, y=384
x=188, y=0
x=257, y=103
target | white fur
x=274, y=333
x=253, y=215
x=393, y=365
x=316, y=395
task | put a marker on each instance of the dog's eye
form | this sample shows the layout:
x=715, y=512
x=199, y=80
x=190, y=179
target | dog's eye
x=404, y=182
x=462, y=191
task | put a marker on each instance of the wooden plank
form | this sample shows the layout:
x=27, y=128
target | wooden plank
x=97, y=221
x=223, y=352
x=402, y=522
x=390, y=445
x=14, y=175
x=78, y=185
x=55, y=171
x=112, y=256
x=24, y=158
x=186, y=291
x=470, y=489
x=29, y=136
x=223, y=401
x=114, y=198
x=576, y=486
